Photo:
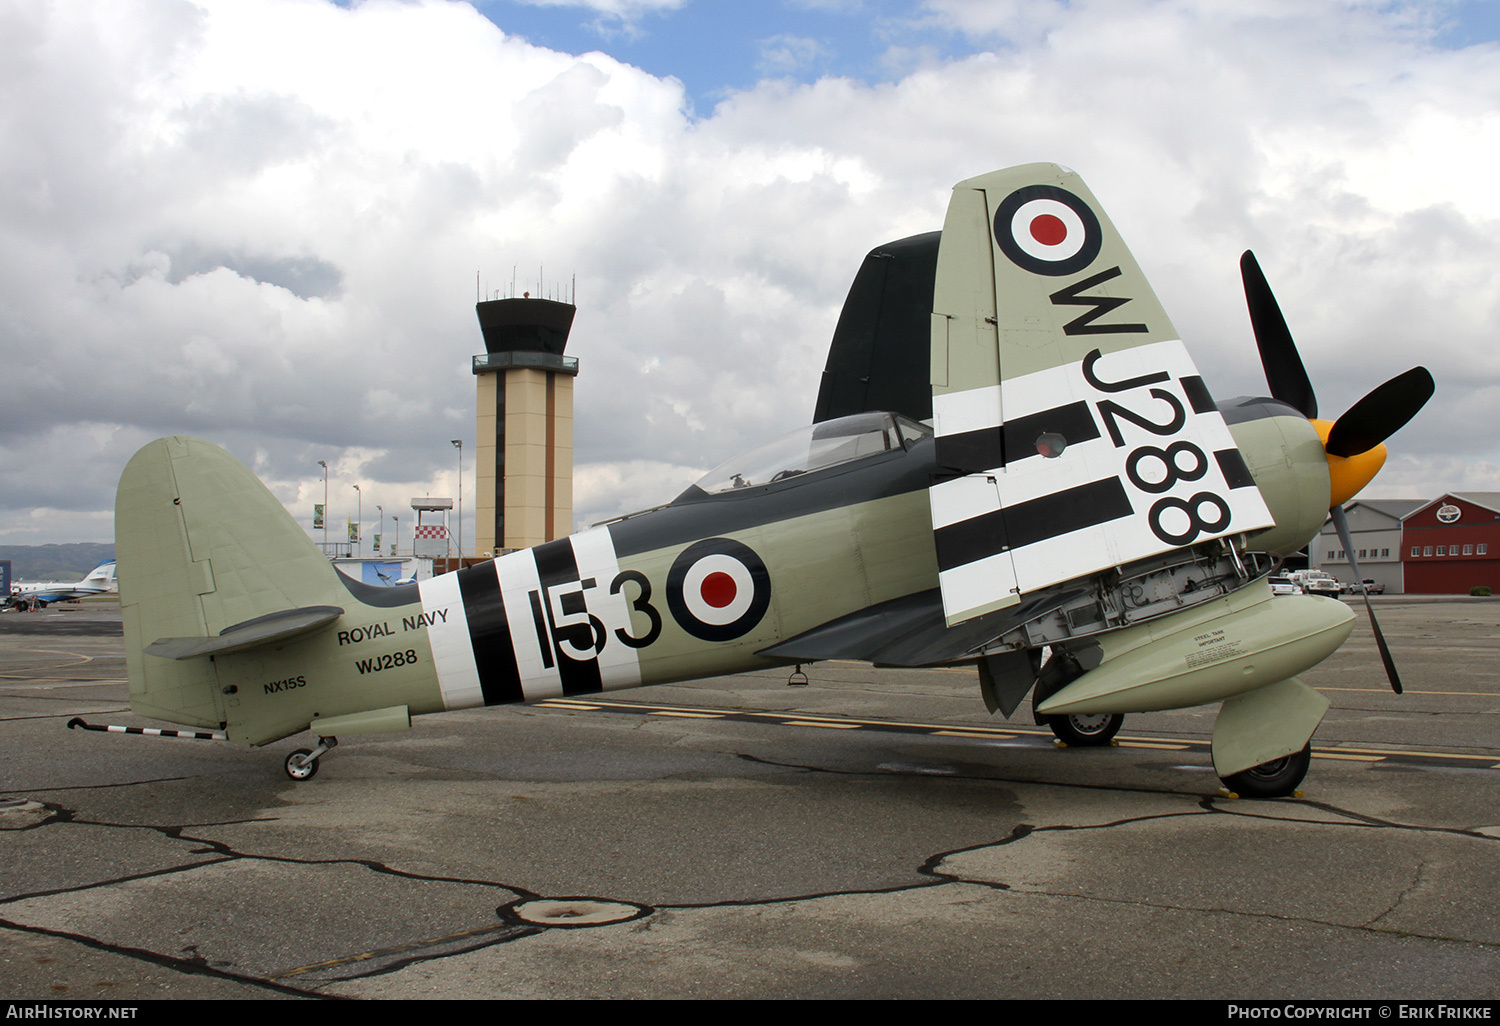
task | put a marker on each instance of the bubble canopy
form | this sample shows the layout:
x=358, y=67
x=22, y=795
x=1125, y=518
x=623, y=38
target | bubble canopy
x=812, y=448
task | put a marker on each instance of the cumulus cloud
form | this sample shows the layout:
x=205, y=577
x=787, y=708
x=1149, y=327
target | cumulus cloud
x=614, y=8
x=263, y=225
x=785, y=54
x=613, y=17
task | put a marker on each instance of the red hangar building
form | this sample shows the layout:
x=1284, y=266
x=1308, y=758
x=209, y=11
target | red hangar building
x=1452, y=544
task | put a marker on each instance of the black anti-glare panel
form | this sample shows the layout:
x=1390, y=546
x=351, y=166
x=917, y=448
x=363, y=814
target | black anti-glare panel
x=880, y=357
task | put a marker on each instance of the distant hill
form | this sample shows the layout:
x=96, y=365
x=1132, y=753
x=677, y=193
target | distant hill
x=55, y=562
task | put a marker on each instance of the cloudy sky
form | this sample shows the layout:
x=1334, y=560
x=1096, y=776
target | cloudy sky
x=262, y=222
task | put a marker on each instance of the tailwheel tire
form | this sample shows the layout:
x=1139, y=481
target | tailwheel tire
x=1086, y=730
x=299, y=767
x=1275, y=779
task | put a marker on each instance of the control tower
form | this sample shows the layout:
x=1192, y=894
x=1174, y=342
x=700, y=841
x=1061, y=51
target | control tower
x=524, y=427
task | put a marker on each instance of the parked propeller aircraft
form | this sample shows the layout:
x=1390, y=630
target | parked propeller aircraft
x=1077, y=518
x=36, y=594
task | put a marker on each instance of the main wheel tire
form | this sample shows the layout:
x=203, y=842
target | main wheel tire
x=1086, y=730
x=299, y=767
x=1275, y=779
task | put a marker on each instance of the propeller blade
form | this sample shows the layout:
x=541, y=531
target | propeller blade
x=1278, y=353
x=1381, y=413
x=1341, y=523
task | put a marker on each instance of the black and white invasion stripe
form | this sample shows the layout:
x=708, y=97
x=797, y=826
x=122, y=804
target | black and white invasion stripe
x=1045, y=491
x=526, y=626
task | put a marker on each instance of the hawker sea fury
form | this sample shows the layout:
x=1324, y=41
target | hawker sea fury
x=1014, y=464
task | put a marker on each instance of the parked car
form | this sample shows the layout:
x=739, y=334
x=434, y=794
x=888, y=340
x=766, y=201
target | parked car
x=1283, y=585
x=1373, y=586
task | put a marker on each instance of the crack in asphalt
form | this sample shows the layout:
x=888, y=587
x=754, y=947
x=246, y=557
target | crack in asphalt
x=229, y=853
x=1400, y=898
x=113, y=881
x=391, y=959
x=62, y=816
x=451, y=945
x=22, y=789
x=1209, y=806
x=195, y=966
x=1024, y=831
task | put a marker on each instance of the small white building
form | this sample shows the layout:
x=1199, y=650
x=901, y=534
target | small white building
x=1375, y=532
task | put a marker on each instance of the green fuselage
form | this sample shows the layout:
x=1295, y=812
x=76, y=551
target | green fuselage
x=701, y=587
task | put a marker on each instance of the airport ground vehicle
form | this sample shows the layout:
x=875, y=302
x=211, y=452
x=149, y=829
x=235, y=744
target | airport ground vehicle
x=1316, y=582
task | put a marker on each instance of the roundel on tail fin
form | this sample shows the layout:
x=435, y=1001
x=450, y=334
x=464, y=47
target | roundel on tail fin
x=1047, y=230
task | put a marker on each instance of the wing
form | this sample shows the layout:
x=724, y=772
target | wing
x=1074, y=431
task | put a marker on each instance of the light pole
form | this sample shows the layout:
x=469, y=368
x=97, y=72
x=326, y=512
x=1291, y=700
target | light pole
x=359, y=531
x=324, y=465
x=396, y=548
x=379, y=522
x=459, y=443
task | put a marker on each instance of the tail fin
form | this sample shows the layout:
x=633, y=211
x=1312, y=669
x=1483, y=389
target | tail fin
x=102, y=577
x=202, y=545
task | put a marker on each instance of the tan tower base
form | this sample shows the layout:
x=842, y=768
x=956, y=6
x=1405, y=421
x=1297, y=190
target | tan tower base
x=524, y=427
x=525, y=456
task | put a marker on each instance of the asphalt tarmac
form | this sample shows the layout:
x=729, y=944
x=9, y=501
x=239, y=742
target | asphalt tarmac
x=875, y=834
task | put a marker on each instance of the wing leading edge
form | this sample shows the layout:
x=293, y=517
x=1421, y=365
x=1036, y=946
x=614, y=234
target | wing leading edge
x=1073, y=431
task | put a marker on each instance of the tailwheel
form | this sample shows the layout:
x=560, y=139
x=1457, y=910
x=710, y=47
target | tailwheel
x=1086, y=730
x=303, y=763
x=1275, y=779
x=300, y=765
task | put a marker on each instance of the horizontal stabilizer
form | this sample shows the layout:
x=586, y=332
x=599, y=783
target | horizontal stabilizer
x=273, y=628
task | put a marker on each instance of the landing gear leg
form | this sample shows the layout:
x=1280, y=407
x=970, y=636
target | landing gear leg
x=1086, y=730
x=303, y=763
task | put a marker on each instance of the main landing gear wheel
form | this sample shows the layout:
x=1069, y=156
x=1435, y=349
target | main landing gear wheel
x=1086, y=730
x=299, y=767
x=1275, y=779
